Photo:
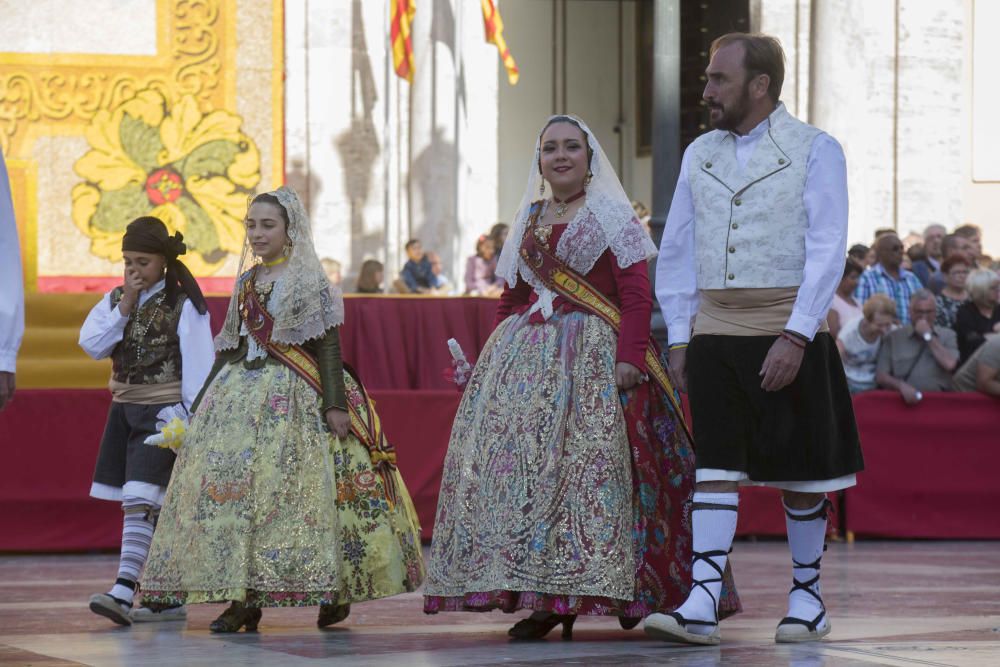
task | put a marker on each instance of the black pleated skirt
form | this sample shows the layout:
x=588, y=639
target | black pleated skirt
x=804, y=432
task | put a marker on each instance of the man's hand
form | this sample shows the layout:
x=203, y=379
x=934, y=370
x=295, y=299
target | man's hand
x=130, y=293
x=781, y=365
x=922, y=327
x=909, y=394
x=6, y=388
x=339, y=422
x=677, y=361
x=627, y=376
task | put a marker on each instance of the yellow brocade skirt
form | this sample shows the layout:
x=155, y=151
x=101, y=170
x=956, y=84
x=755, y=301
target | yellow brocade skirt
x=266, y=507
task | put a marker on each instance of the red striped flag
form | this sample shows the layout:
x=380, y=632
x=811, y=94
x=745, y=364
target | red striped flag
x=494, y=35
x=399, y=35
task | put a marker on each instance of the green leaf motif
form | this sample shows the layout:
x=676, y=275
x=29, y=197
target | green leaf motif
x=199, y=234
x=210, y=159
x=140, y=141
x=117, y=208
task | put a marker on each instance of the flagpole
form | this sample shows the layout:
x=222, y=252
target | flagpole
x=387, y=144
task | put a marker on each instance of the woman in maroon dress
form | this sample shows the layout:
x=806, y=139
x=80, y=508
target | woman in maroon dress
x=569, y=470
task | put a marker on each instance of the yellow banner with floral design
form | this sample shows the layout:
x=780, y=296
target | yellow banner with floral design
x=172, y=108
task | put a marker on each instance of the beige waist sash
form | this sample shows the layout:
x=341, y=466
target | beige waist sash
x=145, y=394
x=746, y=311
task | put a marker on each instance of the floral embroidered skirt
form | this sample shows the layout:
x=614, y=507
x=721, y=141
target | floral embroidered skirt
x=558, y=493
x=267, y=508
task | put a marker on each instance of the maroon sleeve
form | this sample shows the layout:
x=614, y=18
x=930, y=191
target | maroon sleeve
x=637, y=307
x=511, y=299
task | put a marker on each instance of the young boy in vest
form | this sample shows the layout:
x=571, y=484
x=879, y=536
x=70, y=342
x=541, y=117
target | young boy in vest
x=155, y=328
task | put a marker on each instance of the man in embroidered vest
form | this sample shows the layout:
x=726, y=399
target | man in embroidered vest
x=752, y=252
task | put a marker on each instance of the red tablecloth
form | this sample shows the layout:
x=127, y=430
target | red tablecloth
x=930, y=470
x=400, y=342
x=50, y=439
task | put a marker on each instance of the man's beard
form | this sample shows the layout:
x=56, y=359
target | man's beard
x=733, y=116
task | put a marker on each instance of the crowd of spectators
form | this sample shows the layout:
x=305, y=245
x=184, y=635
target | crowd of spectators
x=922, y=318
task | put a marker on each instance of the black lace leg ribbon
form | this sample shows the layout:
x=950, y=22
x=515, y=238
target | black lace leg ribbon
x=807, y=587
x=707, y=557
x=822, y=513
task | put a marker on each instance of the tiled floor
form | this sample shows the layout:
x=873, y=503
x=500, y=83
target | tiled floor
x=892, y=603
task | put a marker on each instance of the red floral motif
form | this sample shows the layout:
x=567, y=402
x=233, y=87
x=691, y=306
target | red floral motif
x=365, y=480
x=279, y=404
x=164, y=186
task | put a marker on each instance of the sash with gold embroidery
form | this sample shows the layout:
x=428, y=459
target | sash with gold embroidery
x=365, y=424
x=569, y=284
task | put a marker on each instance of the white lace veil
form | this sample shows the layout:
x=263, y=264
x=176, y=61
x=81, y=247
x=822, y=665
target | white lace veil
x=606, y=220
x=304, y=304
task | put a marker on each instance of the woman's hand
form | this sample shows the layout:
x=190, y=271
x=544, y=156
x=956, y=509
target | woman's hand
x=339, y=422
x=627, y=376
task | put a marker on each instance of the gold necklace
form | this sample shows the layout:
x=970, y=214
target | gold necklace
x=267, y=265
x=562, y=206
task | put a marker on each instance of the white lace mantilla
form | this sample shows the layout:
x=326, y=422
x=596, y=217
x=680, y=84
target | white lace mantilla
x=605, y=221
x=304, y=304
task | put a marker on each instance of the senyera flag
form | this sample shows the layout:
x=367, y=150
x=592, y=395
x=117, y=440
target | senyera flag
x=494, y=35
x=399, y=35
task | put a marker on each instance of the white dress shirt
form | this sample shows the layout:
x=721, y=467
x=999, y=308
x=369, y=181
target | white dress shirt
x=825, y=201
x=105, y=327
x=11, y=279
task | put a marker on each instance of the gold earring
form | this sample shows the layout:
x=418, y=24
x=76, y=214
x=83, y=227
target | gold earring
x=541, y=189
x=588, y=178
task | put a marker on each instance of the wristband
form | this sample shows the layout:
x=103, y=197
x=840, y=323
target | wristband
x=677, y=346
x=797, y=342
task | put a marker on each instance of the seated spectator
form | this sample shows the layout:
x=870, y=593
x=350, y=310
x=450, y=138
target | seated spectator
x=918, y=357
x=951, y=245
x=417, y=275
x=955, y=270
x=370, y=277
x=332, y=269
x=982, y=371
x=439, y=281
x=860, y=339
x=927, y=265
x=845, y=308
x=499, y=235
x=859, y=253
x=480, y=270
x=980, y=315
x=643, y=213
x=974, y=236
x=915, y=253
x=889, y=277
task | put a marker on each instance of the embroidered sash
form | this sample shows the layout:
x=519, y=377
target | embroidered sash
x=557, y=276
x=365, y=423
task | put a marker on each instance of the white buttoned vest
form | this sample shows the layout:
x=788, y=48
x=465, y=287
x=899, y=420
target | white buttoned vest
x=750, y=223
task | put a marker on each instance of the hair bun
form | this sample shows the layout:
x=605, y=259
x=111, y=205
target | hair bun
x=175, y=245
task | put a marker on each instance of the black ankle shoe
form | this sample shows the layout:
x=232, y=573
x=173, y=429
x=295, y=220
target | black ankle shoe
x=332, y=613
x=237, y=616
x=531, y=628
x=628, y=622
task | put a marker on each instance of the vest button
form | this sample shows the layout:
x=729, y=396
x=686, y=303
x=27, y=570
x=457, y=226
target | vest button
x=708, y=165
x=781, y=160
x=732, y=249
x=736, y=225
x=738, y=202
x=732, y=277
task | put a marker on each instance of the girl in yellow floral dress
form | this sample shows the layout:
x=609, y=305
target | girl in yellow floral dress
x=285, y=492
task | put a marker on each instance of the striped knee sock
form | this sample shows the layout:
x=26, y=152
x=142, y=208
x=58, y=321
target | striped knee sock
x=137, y=535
